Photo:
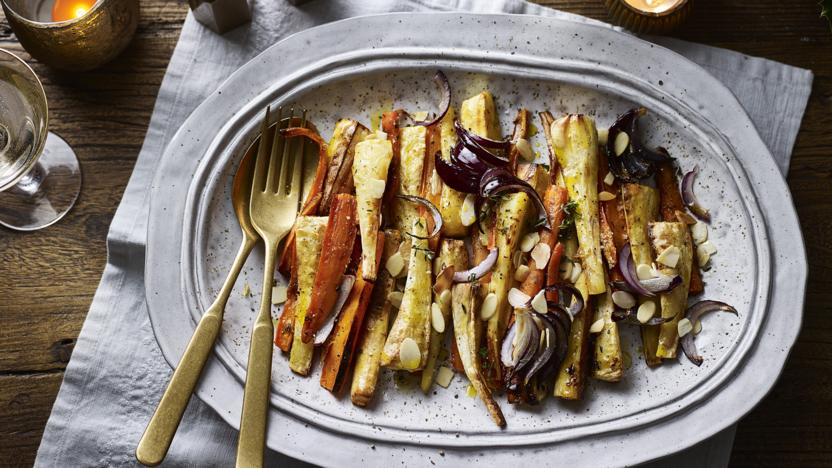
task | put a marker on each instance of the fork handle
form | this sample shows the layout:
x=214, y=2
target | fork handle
x=252, y=438
x=156, y=439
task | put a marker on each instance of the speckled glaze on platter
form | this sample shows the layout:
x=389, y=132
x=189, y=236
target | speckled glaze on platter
x=541, y=63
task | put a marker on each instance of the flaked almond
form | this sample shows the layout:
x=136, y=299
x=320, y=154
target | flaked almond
x=444, y=376
x=468, y=212
x=395, y=298
x=709, y=247
x=597, y=326
x=622, y=142
x=279, y=294
x=669, y=256
x=395, y=264
x=517, y=298
x=521, y=273
x=409, y=354
x=609, y=179
x=524, y=149
x=539, y=302
x=702, y=256
x=646, y=311
x=606, y=196
x=540, y=254
x=645, y=271
x=577, y=270
x=436, y=318
x=623, y=299
x=684, y=327
x=699, y=232
x=375, y=188
x=528, y=241
x=489, y=306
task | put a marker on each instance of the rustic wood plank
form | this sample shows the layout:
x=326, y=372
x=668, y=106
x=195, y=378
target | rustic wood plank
x=51, y=275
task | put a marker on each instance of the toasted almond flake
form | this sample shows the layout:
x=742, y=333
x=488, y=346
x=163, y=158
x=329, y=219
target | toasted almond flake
x=489, y=306
x=709, y=247
x=409, y=354
x=436, y=318
x=699, y=232
x=646, y=311
x=395, y=264
x=246, y=290
x=697, y=327
x=471, y=391
x=444, y=377
x=565, y=269
x=279, y=294
x=622, y=141
x=521, y=273
x=623, y=299
x=375, y=188
x=516, y=258
x=517, y=298
x=445, y=299
x=603, y=133
x=645, y=271
x=684, y=327
x=669, y=256
x=702, y=256
x=524, y=149
x=597, y=326
x=468, y=212
x=577, y=270
x=395, y=298
x=528, y=241
x=606, y=196
x=609, y=179
x=539, y=302
x=540, y=254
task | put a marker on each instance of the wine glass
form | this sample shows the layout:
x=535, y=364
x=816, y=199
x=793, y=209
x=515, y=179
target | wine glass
x=40, y=177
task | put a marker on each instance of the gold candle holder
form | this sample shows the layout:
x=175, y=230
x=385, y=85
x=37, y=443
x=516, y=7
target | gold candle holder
x=97, y=34
x=649, y=16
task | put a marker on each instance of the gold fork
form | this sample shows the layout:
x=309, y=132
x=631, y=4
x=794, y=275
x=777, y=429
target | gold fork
x=275, y=191
x=159, y=433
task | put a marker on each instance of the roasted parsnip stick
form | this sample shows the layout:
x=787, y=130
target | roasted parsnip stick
x=672, y=236
x=310, y=237
x=372, y=160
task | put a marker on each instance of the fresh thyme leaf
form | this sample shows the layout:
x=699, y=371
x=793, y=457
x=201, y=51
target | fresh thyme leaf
x=570, y=213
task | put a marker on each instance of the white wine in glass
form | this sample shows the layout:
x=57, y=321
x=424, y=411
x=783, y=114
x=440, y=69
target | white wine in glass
x=40, y=177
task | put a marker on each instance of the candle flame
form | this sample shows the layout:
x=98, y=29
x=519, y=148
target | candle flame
x=64, y=10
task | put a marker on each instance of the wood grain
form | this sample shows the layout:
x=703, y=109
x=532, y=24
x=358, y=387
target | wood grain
x=51, y=275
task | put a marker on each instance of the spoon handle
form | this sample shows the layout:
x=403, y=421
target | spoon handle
x=156, y=439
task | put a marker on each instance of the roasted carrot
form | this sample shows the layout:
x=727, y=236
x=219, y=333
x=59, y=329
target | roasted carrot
x=337, y=249
x=670, y=201
x=554, y=199
x=285, y=331
x=611, y=213
x=341, y=345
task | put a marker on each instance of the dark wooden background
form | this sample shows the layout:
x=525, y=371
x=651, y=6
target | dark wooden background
x=49, y=277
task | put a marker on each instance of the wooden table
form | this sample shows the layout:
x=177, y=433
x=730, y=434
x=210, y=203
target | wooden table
x=50, y=276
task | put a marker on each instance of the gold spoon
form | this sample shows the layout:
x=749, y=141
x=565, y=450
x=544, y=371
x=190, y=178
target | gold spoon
x=156, y=439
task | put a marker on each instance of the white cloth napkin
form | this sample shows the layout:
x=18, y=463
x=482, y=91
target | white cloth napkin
x=117, y=373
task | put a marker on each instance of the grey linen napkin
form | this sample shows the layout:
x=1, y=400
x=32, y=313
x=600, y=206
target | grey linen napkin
x=117, y=373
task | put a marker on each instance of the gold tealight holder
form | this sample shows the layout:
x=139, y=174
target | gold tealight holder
x=649, y=16
x=74, y=35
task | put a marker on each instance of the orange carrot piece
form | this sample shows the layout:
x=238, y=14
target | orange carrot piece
x=341, y=345
x=337, y=249
x=285, y=331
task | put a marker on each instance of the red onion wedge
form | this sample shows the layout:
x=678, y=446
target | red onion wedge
x=445, y=87
x=463, y=133
x=456, y=177
x=545, y=349
x=636, y=162
x=343, y=293
x=629, y=316
x=569, y=298
x=477, y=145
x=662, y=283
x=473, y=274
x=434, y=213
x=694, y=313
x=628, y=270
x=690, y=198
x=498, y=180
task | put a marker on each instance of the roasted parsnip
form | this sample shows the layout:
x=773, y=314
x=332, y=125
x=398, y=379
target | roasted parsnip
x=309, y=239
x=413, y=141
x=341, y=154
x=467, y=336
x=674, y=256
x=450, y=201
x=575, y=142
x=641, y=206
x=571, y=378
x=372, y=160
x=453, y=254
x=376, y=323
x=408, y=342
x=609, y=363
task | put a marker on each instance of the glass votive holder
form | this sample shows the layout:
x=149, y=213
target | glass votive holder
x=73, y=35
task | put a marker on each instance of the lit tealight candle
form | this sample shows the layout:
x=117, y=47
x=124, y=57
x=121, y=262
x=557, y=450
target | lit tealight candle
x=63, y=10
x=649, y=16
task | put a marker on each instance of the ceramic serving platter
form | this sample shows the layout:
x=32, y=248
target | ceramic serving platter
x=363, y=66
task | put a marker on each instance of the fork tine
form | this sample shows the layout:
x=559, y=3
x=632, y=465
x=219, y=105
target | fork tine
x=278, y=143
x=259, y=177
x=286, y=160
x=295, y=187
